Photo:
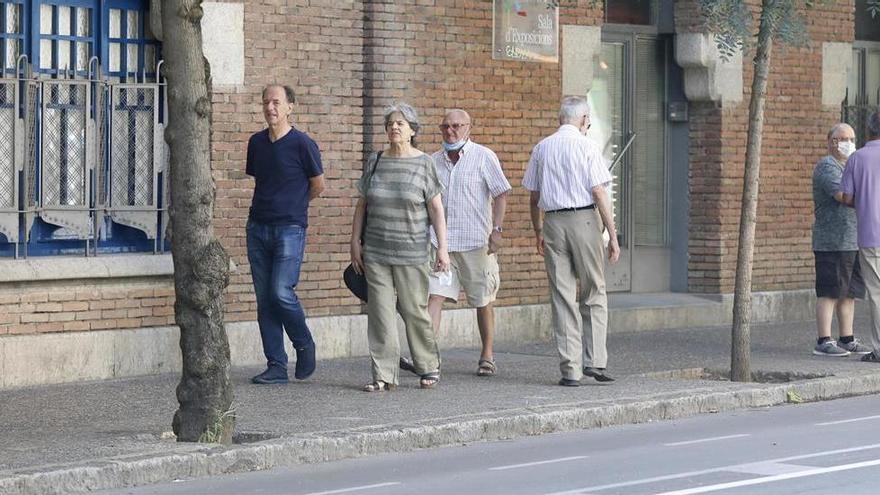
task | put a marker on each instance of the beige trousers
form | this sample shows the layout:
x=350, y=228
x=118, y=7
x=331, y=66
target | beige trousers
x=870, y=265
x=574, y=252
x=404, y=289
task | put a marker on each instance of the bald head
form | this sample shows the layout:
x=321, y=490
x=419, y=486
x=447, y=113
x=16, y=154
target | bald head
x=458, y=114
x=456, y=126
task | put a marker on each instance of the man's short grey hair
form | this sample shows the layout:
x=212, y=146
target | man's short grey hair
x=409, y=114
x=839, y=127
x=874, y=125
x=572, y=109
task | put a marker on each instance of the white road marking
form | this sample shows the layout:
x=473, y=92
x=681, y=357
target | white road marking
x=770, y=479
x=687, y=474
x=538, y=463
x=866, y=418
x=704, y=440
x=356, y=488
x=769, y=468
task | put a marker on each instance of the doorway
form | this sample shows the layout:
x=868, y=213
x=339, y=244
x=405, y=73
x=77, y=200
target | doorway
x=628, y=102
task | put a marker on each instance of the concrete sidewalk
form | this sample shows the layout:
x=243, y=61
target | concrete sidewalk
x=112, y=434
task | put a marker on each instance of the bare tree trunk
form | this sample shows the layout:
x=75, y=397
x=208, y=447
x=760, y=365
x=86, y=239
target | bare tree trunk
x=201, y=266
x=740, y=357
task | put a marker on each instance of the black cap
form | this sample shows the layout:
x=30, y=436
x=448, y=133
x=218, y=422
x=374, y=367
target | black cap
x=356, y=283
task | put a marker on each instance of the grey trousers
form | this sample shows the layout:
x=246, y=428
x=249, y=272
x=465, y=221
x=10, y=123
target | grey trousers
x=404, y=289
x=870, y=265
x=574, y=252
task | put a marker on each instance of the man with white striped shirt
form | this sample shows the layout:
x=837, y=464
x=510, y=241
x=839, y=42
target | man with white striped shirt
x=567, y=178
x=474, y=199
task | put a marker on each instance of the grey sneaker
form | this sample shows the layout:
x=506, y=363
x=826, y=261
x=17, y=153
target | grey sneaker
x=830, y=348
x=855, y=347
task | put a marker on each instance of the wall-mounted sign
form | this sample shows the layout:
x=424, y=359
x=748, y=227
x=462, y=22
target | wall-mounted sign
x=525, y=30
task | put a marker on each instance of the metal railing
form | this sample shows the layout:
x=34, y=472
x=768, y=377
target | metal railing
x=856, y=113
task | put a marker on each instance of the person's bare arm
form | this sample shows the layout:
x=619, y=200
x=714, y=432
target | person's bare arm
x=537, y=225
x=844, y=198
x=603, y=203
x=438, y=221
x=316, y=186
x=499, y=205
x=357, y=227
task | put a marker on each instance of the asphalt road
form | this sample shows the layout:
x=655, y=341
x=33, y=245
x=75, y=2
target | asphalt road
x=821, y=448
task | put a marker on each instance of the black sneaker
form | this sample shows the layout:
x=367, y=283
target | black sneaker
x=272, y=375
x=305, y=362
x=568, y=382
x=598, y=374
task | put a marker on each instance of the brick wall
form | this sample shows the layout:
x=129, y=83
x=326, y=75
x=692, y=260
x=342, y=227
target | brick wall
x=70, y=307
x=793, y=140
x=347, y=60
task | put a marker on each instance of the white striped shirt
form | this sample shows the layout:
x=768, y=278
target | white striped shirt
x=564, y=168
x=468, y=188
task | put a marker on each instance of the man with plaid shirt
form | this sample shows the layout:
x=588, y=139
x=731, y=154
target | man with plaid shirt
x=474, y=198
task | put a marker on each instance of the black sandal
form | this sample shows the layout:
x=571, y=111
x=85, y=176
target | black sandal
x=871, y=357
x=379, y=386
x=429, y=380
x=406, y=364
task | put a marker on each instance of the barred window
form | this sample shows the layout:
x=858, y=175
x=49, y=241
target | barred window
x=82, y=161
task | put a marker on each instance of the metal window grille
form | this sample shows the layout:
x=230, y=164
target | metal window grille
x=136, y=157
x=10, y=158
x=80, y=151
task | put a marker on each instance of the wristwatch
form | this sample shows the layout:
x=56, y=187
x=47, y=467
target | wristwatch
x=498, y=229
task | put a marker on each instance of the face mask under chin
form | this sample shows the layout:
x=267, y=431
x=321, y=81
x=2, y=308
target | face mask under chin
x=454, y=146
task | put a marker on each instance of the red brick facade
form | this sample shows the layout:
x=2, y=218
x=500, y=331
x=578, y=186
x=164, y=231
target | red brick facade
x=348, y=60
x=795, y=126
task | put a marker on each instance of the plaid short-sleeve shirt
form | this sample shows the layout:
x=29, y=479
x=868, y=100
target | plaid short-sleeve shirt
x=468, y=189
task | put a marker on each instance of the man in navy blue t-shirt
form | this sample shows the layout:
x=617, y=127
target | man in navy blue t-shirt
x=286, y=165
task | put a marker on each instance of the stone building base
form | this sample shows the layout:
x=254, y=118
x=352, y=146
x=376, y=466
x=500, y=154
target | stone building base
x=41, y=359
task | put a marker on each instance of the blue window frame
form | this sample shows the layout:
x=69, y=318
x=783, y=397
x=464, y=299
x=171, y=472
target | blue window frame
x=73, y=39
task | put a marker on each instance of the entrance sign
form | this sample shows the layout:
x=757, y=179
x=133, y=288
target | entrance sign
x=525, y=30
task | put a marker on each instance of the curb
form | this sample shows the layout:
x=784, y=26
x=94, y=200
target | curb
x=331, y=446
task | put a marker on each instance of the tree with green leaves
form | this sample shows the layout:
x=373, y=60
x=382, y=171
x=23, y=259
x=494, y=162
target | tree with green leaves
x=731, y=23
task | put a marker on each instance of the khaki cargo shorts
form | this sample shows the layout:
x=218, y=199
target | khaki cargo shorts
x=474, y=271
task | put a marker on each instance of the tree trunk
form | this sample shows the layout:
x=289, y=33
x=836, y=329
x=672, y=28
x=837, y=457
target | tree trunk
x=740, y=358
x=201, y=266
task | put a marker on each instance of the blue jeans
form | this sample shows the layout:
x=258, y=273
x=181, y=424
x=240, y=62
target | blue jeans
x=275, y=253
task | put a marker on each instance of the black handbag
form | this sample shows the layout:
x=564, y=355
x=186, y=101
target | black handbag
x=357, y=282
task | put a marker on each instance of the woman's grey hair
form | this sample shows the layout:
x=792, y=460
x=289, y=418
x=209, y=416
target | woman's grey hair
x=409, y=114
x=874, y=125
x=572, y=109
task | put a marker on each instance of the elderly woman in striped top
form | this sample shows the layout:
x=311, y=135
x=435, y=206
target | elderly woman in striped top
x=400, y=196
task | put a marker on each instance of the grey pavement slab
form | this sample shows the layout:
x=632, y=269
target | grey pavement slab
x=123, y=424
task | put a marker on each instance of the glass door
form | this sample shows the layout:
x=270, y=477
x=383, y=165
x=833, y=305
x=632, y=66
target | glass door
x=610, y=129
x=629, y=125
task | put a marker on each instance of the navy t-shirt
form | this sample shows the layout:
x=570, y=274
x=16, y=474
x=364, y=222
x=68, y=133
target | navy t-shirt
x=282, y=171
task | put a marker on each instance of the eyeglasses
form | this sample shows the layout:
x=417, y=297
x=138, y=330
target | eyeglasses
x=455, y=127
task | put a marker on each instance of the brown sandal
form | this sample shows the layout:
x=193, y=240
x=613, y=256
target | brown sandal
x=429, y=380
x=486, y=368
x=379, y=386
